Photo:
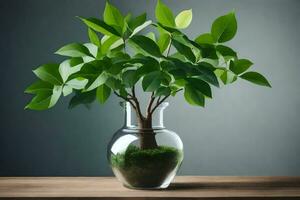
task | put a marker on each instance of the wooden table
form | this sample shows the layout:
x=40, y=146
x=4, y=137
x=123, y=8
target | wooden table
x=185, y=187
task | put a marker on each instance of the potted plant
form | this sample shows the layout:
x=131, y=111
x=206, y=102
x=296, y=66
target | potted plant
x=120, y=56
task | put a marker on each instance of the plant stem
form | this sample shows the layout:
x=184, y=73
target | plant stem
x=126, y=99
x=146, y=133
x=159, y=103
x=152, y=98
x=137, y=104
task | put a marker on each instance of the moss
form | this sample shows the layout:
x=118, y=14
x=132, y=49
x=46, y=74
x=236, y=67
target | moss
x=146, y=168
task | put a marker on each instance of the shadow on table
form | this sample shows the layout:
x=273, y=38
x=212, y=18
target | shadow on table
x=234, y=185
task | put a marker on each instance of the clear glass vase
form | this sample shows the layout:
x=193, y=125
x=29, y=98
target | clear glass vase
x=144, y=154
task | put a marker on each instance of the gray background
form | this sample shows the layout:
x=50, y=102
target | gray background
x=244, y=130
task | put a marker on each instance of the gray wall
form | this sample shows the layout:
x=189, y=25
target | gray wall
x=244, y=130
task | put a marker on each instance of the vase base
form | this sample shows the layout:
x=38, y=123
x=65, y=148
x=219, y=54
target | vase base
x=146, y=188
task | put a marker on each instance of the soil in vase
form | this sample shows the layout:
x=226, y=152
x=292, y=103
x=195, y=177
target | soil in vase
x=146, y=168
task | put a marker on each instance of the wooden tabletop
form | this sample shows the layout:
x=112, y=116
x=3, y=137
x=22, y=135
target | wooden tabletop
x=184, y=187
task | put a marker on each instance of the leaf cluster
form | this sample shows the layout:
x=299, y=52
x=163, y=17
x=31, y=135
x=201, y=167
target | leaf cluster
x=162, y=57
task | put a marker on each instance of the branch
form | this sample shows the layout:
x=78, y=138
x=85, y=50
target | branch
x=179, y=90
x=126, y=99
x=138, y=108
x=158, y=99
x=152, y=98
x=133, y=91
x=158, y=104
x=132, y=97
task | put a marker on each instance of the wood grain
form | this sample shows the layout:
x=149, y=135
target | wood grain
x=185, y=187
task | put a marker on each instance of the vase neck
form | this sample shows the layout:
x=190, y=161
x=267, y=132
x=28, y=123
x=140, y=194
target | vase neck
x=132, y=120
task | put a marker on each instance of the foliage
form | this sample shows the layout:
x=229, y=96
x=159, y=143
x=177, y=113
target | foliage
x=165, y=61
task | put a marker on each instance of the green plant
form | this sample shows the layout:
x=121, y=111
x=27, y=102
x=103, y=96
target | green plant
x=165, y=62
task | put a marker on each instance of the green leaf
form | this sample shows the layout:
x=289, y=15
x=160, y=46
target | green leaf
x=109, y=42
x=74, y=50
x=69, y=67
x=167, y=28
x=100, y=26
x=193, y=96
x=141, y=27
x=178, y=74
x=126, y=30
x=178, y=56
x=137, y=21
x=94, y=37
x=130, y=77
x=164, y=15
x=226, y=51
x=85, y=98
x=180, y=83
x=208, y=52
x=205, y=38
x=175, y=89
x=93, y=49
x=77, y=83
x=148, y=65
x=103, y=93
x=168, y=65
x=206, y=65
x=206, y=74
x=67, y=90
x=39, y=86
x=113, y=16
x=174, y=64
x=120, y=58
x=219, y=72
x=152, y=81
x=116, y=47
x=183, y=19
x=166, y=78
x=116, y=69
x=240, y=66
x=146, y=44
x=224, y=28
x=49, y=73
x=228, y=77
x=184, y=47
x=163, y=41
x=162, y=91
x=256, y=78
x=212, y=62
x=123, y=92
x=94, y=72
x=113, y=83
x=151, y=35
x=200, y=86
x=45, y=99
x=101, y=79
x=57, y=90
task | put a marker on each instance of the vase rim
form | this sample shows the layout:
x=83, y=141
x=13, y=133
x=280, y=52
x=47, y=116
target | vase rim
x=162, y=105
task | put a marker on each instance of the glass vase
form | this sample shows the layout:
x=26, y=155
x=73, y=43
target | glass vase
x=143, y=154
